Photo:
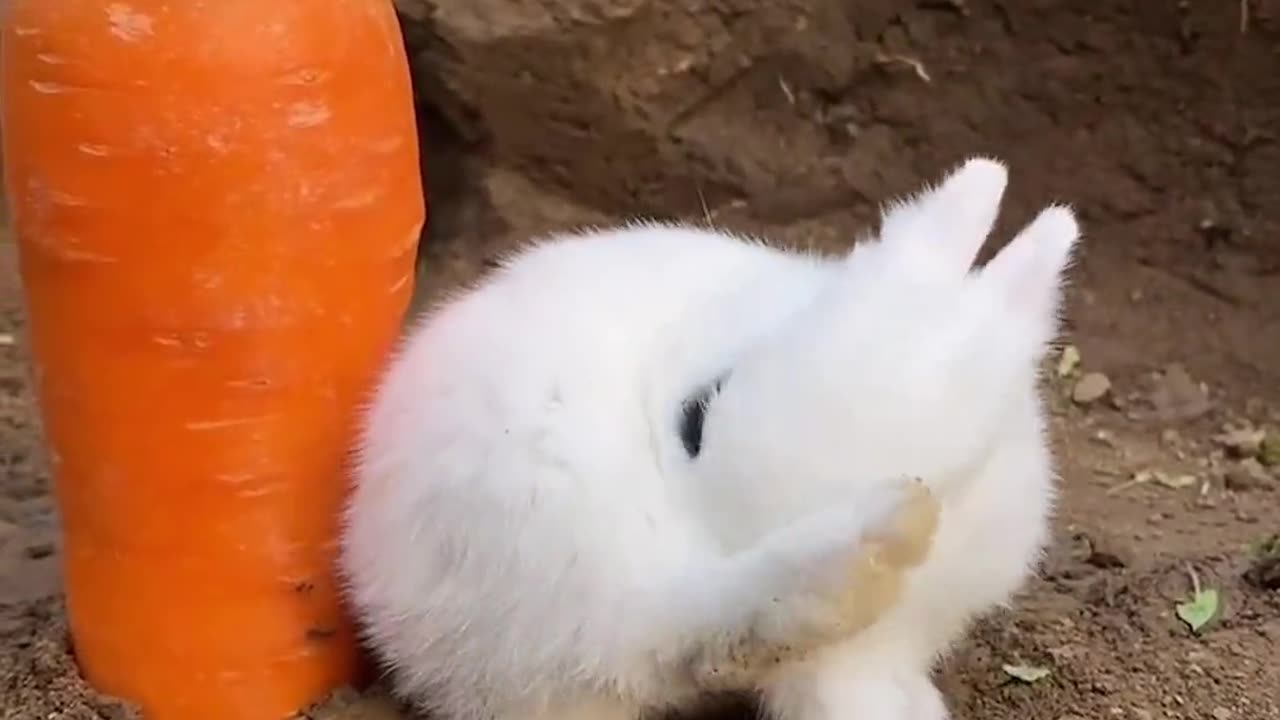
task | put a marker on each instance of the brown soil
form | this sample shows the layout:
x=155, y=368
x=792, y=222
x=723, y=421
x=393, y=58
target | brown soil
x=1157, y=120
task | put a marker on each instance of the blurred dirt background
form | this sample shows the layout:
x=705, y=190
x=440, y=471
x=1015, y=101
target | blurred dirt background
x=792, y=119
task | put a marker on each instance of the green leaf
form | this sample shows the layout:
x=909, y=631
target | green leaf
x=1199, y=610
x=1027, y=673
x=1269, y=450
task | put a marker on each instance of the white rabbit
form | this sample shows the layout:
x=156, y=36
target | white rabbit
x=638, y=465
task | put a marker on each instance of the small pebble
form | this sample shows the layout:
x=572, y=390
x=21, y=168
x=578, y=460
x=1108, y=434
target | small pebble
x=1246, y=475
x=1068, y=361
x=1091, y=388
x=1175, y=395
x=38, y=551
x=1242, y=442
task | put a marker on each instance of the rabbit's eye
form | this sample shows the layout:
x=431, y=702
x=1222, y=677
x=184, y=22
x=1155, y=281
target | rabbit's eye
x=693, y=412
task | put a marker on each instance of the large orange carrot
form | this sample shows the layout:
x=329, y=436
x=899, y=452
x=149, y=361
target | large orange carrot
x=217, y=205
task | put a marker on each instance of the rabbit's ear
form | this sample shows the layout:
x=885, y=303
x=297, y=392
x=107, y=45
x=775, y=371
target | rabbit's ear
x=943, y=227
x=1027, y=274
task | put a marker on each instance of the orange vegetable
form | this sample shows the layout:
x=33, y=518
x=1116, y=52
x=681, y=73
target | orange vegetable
x=218, y=204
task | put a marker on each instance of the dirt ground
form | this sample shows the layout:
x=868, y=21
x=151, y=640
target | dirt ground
x=1158, y=121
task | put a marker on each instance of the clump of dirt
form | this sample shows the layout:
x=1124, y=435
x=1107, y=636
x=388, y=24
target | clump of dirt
x=792, y=120
x=38, y=676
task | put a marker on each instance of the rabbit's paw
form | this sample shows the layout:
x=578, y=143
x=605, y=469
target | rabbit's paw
x=819, y=582
x=903, y=532
x=824, y=692
x=896, y=537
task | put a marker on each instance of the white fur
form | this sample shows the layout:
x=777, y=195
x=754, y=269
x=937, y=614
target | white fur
x=529, y=540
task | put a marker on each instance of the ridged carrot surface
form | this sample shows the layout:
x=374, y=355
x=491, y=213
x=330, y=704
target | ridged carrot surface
x=217, y=204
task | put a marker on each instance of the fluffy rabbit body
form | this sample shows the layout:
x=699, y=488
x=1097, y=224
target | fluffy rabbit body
x=537, y=532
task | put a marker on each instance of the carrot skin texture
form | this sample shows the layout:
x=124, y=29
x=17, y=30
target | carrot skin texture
x=217, y=207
